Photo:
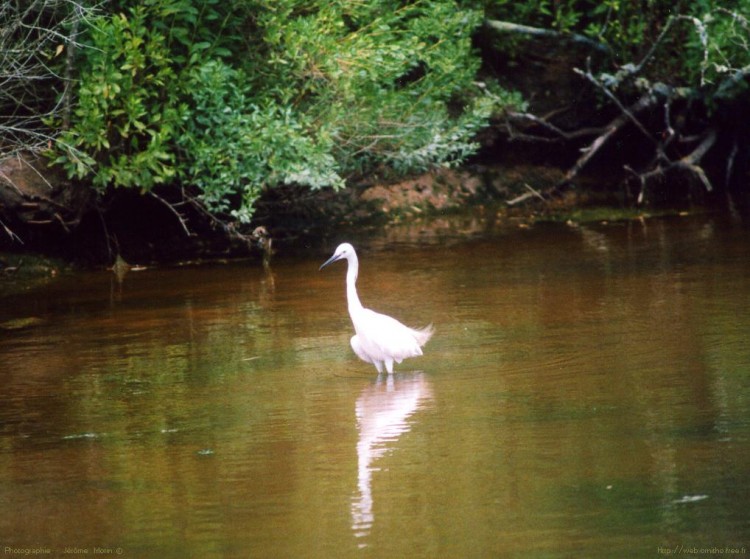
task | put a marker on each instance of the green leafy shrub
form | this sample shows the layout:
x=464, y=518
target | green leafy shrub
x=229, y=98
x=720, y=44
x=233, y=148
x=393, y=82
x=128, y=113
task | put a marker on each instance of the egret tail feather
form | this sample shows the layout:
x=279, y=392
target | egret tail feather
x=423, y=335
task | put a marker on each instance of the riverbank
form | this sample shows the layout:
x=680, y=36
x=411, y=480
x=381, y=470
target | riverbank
x=140, y=228
x=127, y=228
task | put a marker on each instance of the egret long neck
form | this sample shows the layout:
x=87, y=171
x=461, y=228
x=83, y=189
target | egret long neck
x=351, y=289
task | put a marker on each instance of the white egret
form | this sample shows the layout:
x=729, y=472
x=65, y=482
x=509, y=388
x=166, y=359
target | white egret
x=379, y=339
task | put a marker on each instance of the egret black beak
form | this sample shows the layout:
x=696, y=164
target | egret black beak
x=331, y=260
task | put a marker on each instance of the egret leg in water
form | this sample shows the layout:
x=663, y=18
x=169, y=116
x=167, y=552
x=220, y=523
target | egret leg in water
x=379, y=339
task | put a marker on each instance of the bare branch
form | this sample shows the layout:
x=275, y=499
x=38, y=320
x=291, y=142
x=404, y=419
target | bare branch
x=10, y=233
x=644, y=102
x=544, y=123
x=688, y=163
x=590, y=77
x=508, y=27
x=732, y=81
x=35, y=81
x=228, y=228
x=531, y=193
x=177, y=214
x=691, y=160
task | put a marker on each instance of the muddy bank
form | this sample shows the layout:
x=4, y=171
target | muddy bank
x=48, y=216
x=43, y=213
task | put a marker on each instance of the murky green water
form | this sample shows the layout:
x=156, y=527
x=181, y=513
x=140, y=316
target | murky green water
x=587, y=394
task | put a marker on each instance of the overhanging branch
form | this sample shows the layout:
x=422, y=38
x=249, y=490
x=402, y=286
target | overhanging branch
x=517, y=29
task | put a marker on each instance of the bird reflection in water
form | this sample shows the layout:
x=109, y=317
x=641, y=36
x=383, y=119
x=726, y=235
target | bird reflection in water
x=382, y=412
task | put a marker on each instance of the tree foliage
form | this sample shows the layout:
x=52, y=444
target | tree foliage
x=676, y=73
x=688, y=43
x=222, y=99
x=229, y=98
x=128, y=112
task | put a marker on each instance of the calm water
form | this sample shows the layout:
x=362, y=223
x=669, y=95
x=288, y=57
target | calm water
x=587, y=394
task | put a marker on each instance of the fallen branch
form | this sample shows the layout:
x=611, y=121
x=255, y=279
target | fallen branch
x=508, y=27
x=644, y=102
x=725, y=87
x=688, y=163
x=628, y=113
x=532, y=193
x=676, y=104
x=544, y=123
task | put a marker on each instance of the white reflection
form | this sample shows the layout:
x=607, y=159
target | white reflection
x=382, y=410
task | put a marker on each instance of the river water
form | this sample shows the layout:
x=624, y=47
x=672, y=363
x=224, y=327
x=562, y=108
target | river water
x=586, y=394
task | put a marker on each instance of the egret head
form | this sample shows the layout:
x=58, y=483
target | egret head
x=344, y=250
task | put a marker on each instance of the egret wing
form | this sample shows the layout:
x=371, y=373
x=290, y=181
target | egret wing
x=383, y=337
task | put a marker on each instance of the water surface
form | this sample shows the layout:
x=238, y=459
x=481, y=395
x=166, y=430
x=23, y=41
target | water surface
x=586, y=394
